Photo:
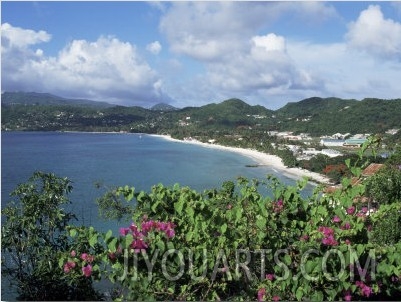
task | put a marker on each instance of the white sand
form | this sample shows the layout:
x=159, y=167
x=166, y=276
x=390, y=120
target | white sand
x=261, y=158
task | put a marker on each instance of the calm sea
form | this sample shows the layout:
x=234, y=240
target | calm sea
x=117, y=160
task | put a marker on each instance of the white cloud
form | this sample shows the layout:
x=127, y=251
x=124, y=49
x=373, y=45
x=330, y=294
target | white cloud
x=21, y=38
x=154, y=47
x=374, y=34
x=209, y=31
x=106, y=69
x=238, y=61
x=346, y=73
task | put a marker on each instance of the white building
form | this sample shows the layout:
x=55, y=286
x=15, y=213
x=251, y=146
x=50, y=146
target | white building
x=332, y=142
x=331, y=152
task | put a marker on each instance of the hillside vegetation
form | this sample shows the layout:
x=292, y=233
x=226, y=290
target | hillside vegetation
x=317, y=116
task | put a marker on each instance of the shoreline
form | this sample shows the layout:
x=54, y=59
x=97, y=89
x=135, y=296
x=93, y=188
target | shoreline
x=262, y=159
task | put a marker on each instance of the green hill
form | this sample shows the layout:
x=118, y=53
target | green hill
x=317, y=116
x=35, y=98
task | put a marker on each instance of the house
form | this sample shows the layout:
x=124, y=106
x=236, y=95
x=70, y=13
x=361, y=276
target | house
x=370, y=170
x=354, y=142
x=331, y=152
x=329, y=142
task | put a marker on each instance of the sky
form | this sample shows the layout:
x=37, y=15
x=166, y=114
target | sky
x=195, y=53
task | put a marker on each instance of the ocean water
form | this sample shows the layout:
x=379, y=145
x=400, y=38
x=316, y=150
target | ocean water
x=113, y=159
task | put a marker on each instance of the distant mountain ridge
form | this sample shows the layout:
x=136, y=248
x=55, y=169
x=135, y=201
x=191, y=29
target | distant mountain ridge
x=36, y=98
x=316, y=116
x=163, y=107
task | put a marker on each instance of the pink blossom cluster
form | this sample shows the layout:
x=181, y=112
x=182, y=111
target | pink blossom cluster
x=366, y=291
x=86, y=267
x=328, y=238
x=147, y=226
x=69, y=266
x=262, y=294
x=351, y=210
x=347, y=295
x=278, y=206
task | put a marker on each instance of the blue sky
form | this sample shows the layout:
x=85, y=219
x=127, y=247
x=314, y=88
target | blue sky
x=195, y=53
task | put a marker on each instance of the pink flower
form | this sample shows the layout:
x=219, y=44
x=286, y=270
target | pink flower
x=276, y=298
x=278, y=206
x=346, y=226
x=261, y=294
x=364, y=210
x=336, y=219
x=365, y=290
x=139, y=245
x=270, y=277
x=73, y=253
x=351, y=210
x=329, y=240
x=170, y=233
x=69, y=266
x=124, y=231
x=347, y=241
x=86, y=257
x=326, y=231
x=87, y=270
x=347, y=295
x=66, y=268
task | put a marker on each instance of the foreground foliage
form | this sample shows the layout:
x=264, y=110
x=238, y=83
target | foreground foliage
x=32, y=237
x=233, y=243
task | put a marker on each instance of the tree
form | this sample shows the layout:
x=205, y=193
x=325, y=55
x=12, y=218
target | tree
x=33, y=235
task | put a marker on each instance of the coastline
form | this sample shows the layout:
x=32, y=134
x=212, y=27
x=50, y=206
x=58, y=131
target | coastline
x=262, y=159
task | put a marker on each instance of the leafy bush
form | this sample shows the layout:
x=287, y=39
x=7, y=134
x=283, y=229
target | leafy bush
x=236, y=243
x=32, y=238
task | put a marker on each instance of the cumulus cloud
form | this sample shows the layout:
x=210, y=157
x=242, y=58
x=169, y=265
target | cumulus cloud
x=154, y=47
x=208, y=31
x=238, y=62
x=21, y=38
x=374, y=34
x=106, y=69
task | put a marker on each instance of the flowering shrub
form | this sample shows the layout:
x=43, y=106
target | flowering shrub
x=238, y=243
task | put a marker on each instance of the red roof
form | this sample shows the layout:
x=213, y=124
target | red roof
x=371, y=169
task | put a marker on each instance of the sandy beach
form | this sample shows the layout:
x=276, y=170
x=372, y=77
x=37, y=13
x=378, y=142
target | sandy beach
x=260, y=158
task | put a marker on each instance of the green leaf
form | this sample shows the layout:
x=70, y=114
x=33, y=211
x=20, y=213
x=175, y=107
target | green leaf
x=112, y=245
x=154, y=206
x=261, y=223
x=178, y=205
x=93, y=240
x=299, y=293
x=108, y=235
x=73, y=232
x=160, y=245
x=223, y=228
x=287, y=259
x=188, y=236
x=170, y=245
x=128, y=240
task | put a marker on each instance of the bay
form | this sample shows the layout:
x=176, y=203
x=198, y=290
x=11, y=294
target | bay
x=114, y=159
